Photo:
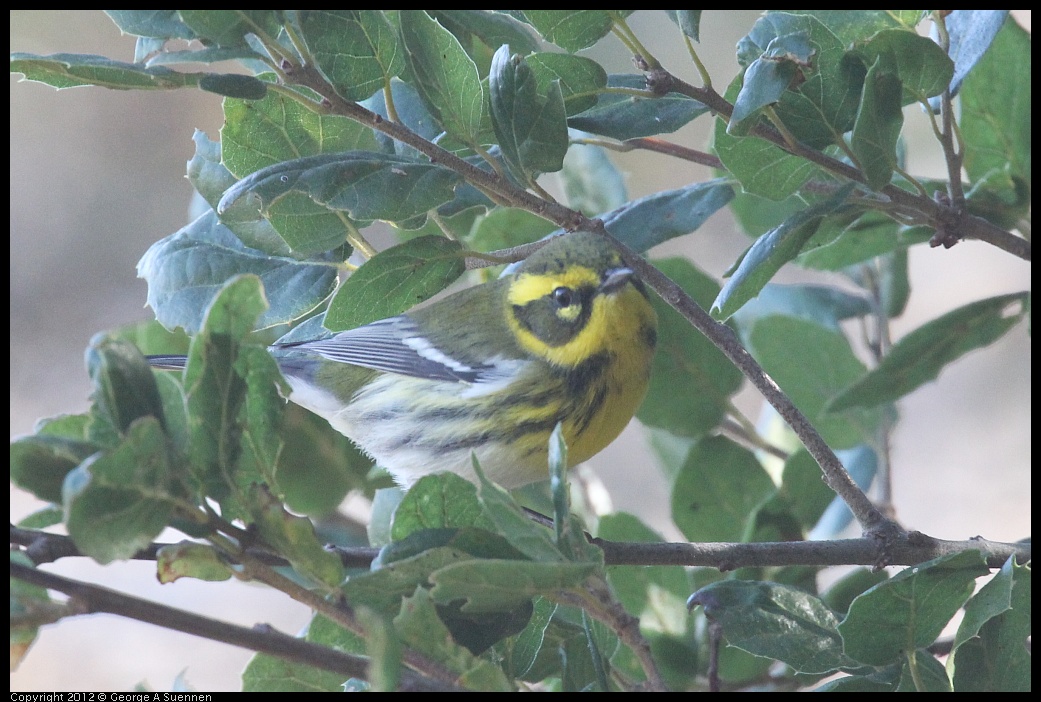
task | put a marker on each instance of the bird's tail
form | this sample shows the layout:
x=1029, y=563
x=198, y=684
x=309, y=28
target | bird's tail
x=167, y=362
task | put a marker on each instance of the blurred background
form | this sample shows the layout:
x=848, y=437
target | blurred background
x=98, y=175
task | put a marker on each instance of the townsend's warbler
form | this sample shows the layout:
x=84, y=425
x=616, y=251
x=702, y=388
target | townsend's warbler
x=567, y=337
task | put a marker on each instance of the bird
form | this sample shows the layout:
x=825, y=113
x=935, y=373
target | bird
x=567, y=337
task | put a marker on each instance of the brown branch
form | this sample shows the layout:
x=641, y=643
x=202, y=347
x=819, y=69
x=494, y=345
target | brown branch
x=42, y=547
x=914, y=549
x=263, y=638
x=949, y=218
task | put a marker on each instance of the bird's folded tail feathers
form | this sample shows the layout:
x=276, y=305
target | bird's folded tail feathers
x=167, y=362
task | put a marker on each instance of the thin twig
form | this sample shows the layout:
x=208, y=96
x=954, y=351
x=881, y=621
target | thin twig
x=262, y=638
x=916, y=548
x=940, y=216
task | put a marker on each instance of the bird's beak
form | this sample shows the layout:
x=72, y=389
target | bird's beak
x=614, y=279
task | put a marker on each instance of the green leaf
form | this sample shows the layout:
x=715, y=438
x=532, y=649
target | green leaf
x=995, y=125
x=145, y=47
x=769, y=77
x=634, y=585
x=568, y=529
x=921, y=355
x=188, y=268
x=527, y=653
x=850, y=586
x=657, y=595
x=807, y=495
x=294, y=538
x=776, y=621
x=921, y=65
x=395, y=280
x=579, y=78
x=651, y=220
x=472, y=541
x=493, y=585
x=420, y=628
x=572, y=30
x=261, y=420
x=622, y=116
x=991, y=651
x=884, y=682
x=689, y=22
x=366, y=184
x=263, y=134
x=384, y=587
x=75, y=70
x=971, y=34
x=772, y=250
x=909, y=610
x=215, y=384
x=762, y=168
x=30, y=608
x=213, y=54
x=531, y=539
x=276, y=129
x=317, y=466
x=928, y=674
x=65, y=426
x=445, y=76
x=822, y=102
x=124, y=387
x=691, y=380
x=895, y=283
x=878, y=125
x=230, y=27
x=852, y=237
x=592, y=183
x=823, y=366
x=117, y=502
x=718, y=491
x=210, y=178
x=357, y=51
x=266, y=673
x=439, y=501
x=492, y=27
x=505, y=227
x=161, y=24
x=823, y=304
x=383, y=648
x=326, y=632
x=234, y=85
x=191, y=560
x=411, y=112
x=530, y=128
x=40, y=463
x=852, y=26
x=41, y=518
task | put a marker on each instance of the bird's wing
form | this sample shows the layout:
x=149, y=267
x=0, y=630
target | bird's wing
x=395, y=345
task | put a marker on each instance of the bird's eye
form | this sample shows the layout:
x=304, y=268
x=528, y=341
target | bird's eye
x=563, y=297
